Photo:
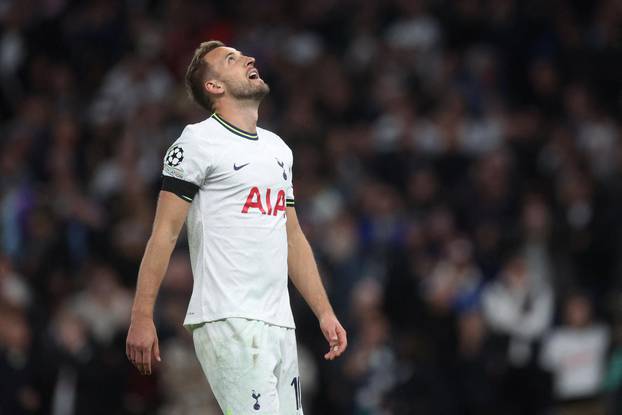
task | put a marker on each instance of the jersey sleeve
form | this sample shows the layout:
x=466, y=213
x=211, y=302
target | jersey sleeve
x=184, y=168
x=289, y=193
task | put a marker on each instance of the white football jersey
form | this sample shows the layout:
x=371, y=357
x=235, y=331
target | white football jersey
x=239, y=185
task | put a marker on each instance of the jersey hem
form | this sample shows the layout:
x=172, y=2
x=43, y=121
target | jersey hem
x=200, y=320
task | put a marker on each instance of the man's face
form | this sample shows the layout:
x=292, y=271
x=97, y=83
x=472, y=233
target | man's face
x=237, y=73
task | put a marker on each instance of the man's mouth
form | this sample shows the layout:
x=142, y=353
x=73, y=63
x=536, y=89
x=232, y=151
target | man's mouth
x=253, y=74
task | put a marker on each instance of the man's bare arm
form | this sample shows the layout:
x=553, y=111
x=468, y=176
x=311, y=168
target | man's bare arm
x=142, y=339
x=304, y=274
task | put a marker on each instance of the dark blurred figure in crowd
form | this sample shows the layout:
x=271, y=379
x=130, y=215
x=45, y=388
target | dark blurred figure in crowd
x=20, y=392
x=87, y=377
x=371, y=366
x=480, y=367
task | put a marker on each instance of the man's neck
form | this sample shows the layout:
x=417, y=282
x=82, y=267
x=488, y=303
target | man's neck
x=243, y=117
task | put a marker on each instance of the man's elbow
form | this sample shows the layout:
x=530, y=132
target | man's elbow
x=163, y=237
x=295, y=239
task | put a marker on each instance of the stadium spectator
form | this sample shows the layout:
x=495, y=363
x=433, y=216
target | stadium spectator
x=613, y=381
x=576, y=354
x=519, y=307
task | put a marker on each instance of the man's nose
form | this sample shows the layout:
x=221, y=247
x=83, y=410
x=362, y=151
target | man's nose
x=250, y=61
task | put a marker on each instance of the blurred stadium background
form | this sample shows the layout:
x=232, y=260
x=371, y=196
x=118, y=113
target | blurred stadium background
x=458, y=172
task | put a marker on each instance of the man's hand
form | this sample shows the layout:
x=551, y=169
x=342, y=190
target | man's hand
x=335, y=334
x=142, y=343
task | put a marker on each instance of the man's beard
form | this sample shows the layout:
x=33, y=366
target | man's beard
x=249, y=91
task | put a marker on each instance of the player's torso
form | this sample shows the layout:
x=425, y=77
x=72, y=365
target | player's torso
x=236, y=223
x=247, y=180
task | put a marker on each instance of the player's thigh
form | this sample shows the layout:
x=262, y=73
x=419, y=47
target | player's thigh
x=239, y=366
x=289, y=387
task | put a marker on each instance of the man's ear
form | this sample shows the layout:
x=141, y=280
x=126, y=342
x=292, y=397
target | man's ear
x=213, y=87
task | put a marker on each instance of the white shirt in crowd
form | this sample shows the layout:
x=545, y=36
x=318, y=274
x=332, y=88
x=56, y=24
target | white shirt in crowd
x=576, y=356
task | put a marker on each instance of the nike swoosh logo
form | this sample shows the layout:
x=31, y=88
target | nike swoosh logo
x=236, y=168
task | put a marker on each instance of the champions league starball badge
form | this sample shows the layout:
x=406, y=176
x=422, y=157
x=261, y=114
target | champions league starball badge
x=175, y=156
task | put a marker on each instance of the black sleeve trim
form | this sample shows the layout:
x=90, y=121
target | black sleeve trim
x=181, y=188
x=290, y=202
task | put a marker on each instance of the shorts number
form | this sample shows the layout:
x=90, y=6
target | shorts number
x=296, y=384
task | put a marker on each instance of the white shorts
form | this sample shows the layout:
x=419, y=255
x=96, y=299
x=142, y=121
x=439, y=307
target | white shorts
x=252, y=366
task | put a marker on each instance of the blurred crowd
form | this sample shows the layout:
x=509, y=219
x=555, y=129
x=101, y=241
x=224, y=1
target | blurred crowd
x=458, y=172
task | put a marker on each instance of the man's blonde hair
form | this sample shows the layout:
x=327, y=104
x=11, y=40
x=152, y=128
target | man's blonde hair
x=196, y=73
